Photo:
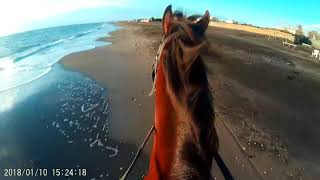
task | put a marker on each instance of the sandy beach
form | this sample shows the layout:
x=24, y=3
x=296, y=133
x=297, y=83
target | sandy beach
x=266, y=99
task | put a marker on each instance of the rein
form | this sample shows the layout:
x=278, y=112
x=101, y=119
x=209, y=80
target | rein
x=138, y=153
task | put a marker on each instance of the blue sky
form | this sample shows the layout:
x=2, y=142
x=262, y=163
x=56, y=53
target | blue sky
x=20, y=15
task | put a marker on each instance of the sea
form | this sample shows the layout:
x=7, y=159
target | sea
x=52, y=117
x=27, y=56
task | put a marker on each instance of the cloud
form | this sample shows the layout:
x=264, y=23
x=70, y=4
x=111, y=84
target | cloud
x=15, y=13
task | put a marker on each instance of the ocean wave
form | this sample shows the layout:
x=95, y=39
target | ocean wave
x=22, y=83
x=7, y=64
x=36, y=50
x=85, y=33
x=4, y=52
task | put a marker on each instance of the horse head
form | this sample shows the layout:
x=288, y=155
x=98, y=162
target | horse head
x=185, y=137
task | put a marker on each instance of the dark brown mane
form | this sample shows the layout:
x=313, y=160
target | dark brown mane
x=189, y=88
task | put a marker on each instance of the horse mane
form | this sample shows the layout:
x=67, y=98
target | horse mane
x=187, y=78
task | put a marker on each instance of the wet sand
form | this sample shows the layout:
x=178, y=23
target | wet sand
x=265, y=93
x=62, y=122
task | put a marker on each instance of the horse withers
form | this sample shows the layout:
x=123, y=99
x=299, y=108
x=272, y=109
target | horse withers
x=185, y=138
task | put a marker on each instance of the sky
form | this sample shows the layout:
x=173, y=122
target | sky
x=24, y=15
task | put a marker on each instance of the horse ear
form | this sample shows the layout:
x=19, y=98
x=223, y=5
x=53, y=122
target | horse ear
x=167, y=19
x=204, y=21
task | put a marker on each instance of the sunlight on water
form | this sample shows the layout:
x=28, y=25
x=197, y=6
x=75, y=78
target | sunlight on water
x=6, y=66
x=8, y=101
x=15, y=74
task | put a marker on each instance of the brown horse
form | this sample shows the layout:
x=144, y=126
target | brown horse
x=185, y=138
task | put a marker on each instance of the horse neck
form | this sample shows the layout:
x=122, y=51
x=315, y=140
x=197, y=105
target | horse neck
x=162, y=155
x=165, y=117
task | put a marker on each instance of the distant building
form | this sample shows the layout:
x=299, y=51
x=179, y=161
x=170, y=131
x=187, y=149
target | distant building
x=290, y=30
x=143, y=20
x=229, y=21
